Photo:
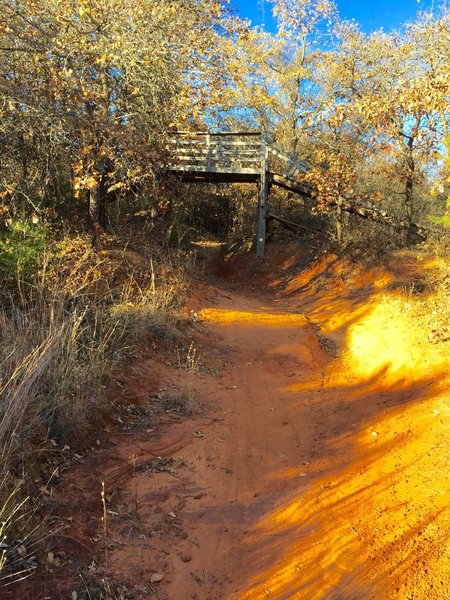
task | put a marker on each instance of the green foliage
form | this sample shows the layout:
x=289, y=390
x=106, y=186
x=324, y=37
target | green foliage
x=22, y=246
x=444, y=220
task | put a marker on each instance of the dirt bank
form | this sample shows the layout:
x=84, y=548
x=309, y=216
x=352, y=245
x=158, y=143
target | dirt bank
x=319, y=466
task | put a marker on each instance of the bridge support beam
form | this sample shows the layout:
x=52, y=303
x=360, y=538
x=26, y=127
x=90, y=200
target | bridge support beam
x=262, y=205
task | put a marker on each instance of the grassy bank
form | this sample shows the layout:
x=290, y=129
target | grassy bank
x=69, y=315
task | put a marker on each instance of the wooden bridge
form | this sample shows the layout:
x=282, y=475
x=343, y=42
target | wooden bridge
x=241, y=157
x=247, y=157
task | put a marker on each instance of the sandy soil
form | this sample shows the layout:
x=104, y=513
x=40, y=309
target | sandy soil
x=319, y=468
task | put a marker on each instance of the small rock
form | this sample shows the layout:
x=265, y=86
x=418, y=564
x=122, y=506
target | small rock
x=198, y=496
x=186, y=558
x=184, y=535
x=156, y=577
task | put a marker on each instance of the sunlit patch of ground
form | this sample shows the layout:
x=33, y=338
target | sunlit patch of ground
x=376, y=524
x=386, y=339
x=266, y=319
x=376, y=528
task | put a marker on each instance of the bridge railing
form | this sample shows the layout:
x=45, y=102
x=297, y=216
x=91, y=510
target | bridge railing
x=237, y=153
x=286, y=164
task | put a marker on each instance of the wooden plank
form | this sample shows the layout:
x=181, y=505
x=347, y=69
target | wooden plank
x=236, y=142
x=241, y=163
x=214, y=165
x=293, y=163
x=208, y=157
x=291, y=225
x=200, y=169
x=291, y=185
x=216, y=143
x=218, y=160
x=217, y=133
x=191, y=152
x=218, y=152
x=233, y=150
x=203, y=177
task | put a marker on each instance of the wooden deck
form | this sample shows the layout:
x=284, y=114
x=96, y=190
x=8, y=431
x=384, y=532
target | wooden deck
x=225, y=157
x=217, y=154
x=237, y=157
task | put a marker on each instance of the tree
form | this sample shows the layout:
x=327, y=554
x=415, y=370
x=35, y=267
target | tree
x=274, y=74
x=393, y=86
x=90, y=88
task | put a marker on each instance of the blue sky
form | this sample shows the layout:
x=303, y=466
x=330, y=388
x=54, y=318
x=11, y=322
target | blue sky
x=370, y=14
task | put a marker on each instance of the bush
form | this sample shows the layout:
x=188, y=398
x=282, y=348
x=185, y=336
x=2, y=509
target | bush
x=22, y=246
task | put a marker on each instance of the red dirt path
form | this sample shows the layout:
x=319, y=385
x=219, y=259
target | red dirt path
x=320, y=469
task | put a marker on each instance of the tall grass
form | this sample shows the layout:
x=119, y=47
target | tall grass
x=60, y=341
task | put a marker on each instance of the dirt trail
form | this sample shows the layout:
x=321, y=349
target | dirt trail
x=320, y=469
x=252, y=458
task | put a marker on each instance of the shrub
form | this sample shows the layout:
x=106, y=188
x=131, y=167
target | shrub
x=22, y=245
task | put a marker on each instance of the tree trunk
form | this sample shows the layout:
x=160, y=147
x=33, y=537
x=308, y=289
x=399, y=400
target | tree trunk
x=339, y=214
x=409, y=182
x=94, y=215
x=102, y=202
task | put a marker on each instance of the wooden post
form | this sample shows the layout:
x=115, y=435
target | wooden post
x=208, y=152
x=262, y=202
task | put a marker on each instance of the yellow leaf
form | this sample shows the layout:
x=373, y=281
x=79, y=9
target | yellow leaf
x=91, y=183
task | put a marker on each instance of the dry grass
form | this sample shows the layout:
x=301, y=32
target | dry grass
x=16, y=561
x=147, y=310
x=434, y=309
x=185, y=402
x=61, y=338
x=101, y=589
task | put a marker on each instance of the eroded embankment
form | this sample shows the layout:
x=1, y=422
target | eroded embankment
x=320, y=468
